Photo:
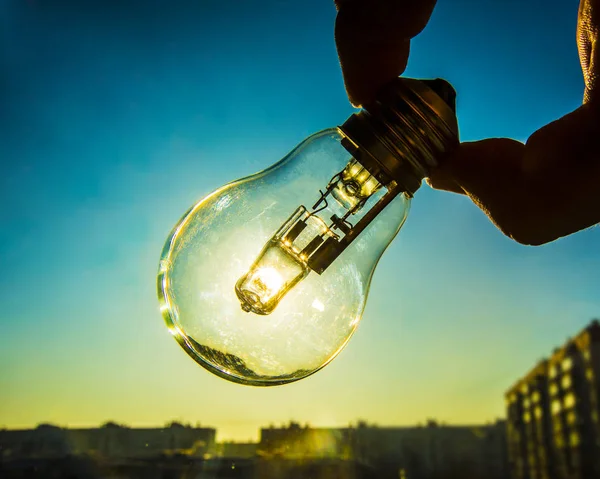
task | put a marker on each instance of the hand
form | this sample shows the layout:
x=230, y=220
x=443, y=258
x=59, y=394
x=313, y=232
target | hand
x=534, y=192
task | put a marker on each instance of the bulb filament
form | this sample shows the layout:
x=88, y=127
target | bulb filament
x=306, y=242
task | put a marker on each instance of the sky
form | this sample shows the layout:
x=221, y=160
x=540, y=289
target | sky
x=116, y=117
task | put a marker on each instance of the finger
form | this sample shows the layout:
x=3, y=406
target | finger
x=538, y=192
x=489, y=172
x=442, y=179
x=373, y=41
x=480, y=163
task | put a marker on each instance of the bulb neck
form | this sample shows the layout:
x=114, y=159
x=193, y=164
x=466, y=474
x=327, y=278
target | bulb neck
x=403, y=134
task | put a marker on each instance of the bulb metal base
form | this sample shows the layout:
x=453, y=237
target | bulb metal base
x=405, y=132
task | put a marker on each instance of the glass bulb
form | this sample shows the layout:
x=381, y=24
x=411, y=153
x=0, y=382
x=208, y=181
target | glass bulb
x=238, y=295
x=264, y=281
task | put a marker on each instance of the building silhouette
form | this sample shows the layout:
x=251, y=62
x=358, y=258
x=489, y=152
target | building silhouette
x=303, y=442
x=109, y=441
x=415, y=452
x=232, y=449
x=361, y=451
x=552, y=413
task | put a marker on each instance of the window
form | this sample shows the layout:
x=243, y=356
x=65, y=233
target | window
x=572, y=418
x=574, y=439
x=586, y=353
x=553, y=389
x=553, y=371
x=538, y=412
x=566, y=382
x=567, y=363
x=526, y=417
x=555, y=406
x=524, y=388
x=569, y=400
x=535, y=397
x=526, y=402
x=558, y=440
x=589, y=373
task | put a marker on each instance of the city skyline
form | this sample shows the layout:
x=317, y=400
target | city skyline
x=290, y=423
x=431, y=452
x=115, y=119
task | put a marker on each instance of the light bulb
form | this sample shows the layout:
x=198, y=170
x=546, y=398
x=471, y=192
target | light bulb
x=264, y=281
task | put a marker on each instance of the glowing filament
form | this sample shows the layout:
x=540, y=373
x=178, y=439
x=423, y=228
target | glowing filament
x=273, y=274
x=268, y=281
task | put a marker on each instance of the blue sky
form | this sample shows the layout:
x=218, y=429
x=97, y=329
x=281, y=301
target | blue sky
x=115, y=117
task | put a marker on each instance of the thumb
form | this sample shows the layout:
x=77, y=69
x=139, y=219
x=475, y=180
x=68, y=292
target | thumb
x=373, y=41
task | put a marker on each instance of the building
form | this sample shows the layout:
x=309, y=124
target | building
x=435, y=450
x=552, y=413
x=231, y=449
x=304, y=442
x=417, y=452
x=529, y=426
x=431, y=451
x=109, y=441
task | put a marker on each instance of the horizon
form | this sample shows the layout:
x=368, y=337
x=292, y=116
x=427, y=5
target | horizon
x=118, y=117
x=427, y=423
